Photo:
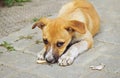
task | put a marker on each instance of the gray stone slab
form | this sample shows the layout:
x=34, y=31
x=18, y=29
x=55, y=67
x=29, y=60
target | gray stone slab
x=56, y=71
x=22, y=44
x=18, y=60
x=8, y=57
x=76, y=70
x=111, y=64
x=34, y=48
x=109, y=49
x=97, y=43
x=110, y=37
x=27, y=31
x=2, y=50
x=6, y=70
x=118, y=71
x=17, y=17
x=99, y=74
x=87, y=57
x=109, y=21
x=113, y=51
x=25, y=75
x=109, y=55
x=109, y=14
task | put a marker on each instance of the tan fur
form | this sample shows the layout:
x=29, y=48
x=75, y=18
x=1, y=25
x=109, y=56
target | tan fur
x=76, y=21
x=88, y=11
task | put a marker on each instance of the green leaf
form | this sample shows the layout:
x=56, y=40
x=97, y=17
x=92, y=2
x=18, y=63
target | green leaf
x=9, y=2
x=1, y=52
x=35, y=19
x=8, y=46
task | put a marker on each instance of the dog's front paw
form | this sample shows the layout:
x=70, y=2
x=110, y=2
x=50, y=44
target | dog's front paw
x=40, y=56
x=65, y=60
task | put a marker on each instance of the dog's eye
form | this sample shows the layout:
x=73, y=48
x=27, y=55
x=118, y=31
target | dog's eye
x=45, y=41
x=59, y=44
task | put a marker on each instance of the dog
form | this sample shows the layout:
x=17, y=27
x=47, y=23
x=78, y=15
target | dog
x=70, y=33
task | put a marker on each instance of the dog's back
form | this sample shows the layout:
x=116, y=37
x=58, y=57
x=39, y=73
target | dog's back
x=83, y=11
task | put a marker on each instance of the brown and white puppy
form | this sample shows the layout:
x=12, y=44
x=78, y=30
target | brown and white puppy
x=70, y=34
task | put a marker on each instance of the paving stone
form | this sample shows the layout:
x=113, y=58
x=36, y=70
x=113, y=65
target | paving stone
x=110, y=14
x=87, y=57
x=54, y=71
x=111, y=64
x=6, y=70
x=40, y=69
x=27, y=31
x=8, y=57
x=97, y=43
x=76, y=70
x=113, y=51
x=2, y=50
x=109, y=21
x=109, y=55
x=22, y=44
x=117, y=71
x=65, y=74
x=34, y=48
x=17, y=17
x=24, y=75
x=105, y=27
x=99, y=74
x=109, y=49
x=9, y=39
x=110, y=37
x=18, y=60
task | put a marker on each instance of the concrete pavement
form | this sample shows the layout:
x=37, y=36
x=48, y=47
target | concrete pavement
x=27, y=42
x=15, y=18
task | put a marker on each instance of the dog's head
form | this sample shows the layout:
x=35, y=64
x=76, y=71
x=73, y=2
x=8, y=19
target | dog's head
x=57, y=35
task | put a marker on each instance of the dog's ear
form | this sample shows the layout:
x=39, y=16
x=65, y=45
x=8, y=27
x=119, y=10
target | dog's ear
x=76, y=26
x=41, y=23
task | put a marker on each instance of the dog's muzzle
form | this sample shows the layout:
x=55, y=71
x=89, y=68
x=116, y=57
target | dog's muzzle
x=51, y=58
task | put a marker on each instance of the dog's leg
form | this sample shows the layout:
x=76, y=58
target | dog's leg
x=73, y=52
x=40, y=55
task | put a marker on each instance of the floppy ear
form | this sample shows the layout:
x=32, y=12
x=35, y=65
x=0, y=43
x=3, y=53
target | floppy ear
x=41, y=23
x=76, y=26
